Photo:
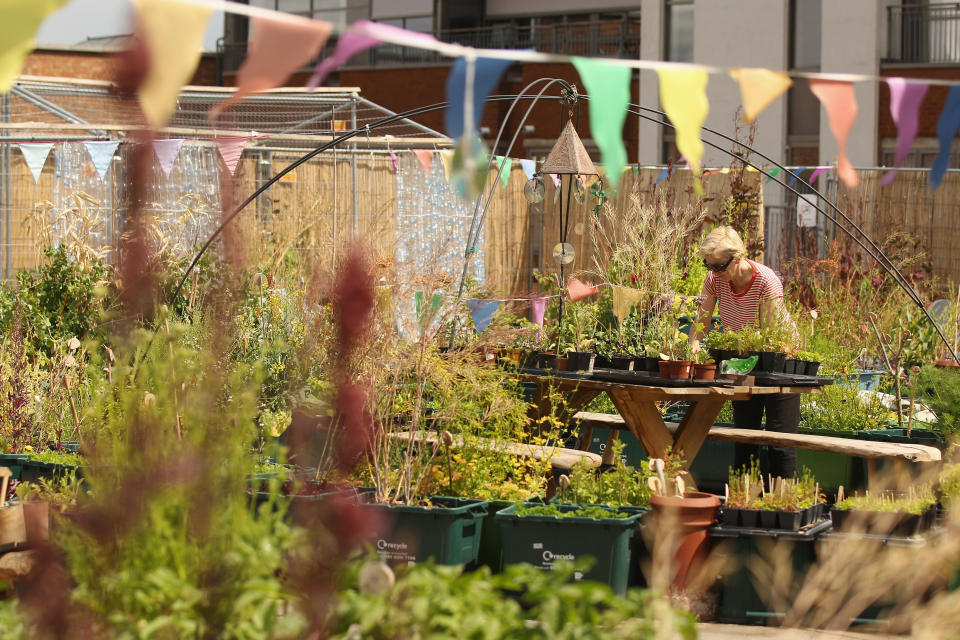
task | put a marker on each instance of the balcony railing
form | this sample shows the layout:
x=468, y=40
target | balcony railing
x=611, y=39
x=923, y=33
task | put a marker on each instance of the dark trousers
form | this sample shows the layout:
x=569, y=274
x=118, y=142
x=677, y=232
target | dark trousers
x=783, y=415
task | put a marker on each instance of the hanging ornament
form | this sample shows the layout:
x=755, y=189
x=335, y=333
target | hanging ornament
x=533, y=190
x=564, y=253
x=579, y=193
x=469, y=168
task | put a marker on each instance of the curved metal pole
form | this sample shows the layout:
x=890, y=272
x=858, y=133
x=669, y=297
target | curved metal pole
x=914, y=296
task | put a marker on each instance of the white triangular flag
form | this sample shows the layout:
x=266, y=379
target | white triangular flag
x=230, y=150
x=35, y=155
x=102, y=155
x=167, y=151
x=529, y=168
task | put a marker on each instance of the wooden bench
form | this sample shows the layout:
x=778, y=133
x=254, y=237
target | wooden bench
x=900, y=454
x=559, y=457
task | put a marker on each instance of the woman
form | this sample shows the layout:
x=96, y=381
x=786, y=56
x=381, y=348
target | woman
x=748, y=294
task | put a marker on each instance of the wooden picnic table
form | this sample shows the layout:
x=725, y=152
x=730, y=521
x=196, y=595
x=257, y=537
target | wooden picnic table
x=637, y=405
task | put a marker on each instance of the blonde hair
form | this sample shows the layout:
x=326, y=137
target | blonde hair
x=722, y=243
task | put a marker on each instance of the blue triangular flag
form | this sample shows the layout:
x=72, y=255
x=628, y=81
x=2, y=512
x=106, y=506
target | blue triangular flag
x=662, y=176
x=102, y=155
x=35, y=155
x=947, y=127
x=796, y=174
x=487, y=72
x=482, y=312
x=529, y=168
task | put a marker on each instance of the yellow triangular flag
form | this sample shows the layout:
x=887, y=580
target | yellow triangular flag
x=173, y=34
x=446, y=156
x=758, y=88
x=623, y=299
x=21, y=19
x=683, y=94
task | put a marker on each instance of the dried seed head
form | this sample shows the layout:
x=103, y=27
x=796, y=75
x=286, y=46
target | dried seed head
x=73, y=344
x=376, y=577
x=564, y=482
x=447, y=439
x=149, y=399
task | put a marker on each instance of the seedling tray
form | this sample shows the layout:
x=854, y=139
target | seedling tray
x=781, y=534
x=646, y=378
x=789, y=380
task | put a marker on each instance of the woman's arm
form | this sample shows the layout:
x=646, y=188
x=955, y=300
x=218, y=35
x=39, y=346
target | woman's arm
x=708, y=302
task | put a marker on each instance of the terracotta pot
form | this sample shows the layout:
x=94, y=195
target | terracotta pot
x=704, y=372
x=682, y=523
x=563, y=364
x=682, y=369
x=666, y=368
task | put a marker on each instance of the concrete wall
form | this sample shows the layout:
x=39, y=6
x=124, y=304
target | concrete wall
x=742, y=33
x=536, y=7
x=650, y=136
x=853, y=34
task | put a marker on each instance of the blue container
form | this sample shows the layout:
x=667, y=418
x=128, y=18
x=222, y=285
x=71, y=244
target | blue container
x=864, y=379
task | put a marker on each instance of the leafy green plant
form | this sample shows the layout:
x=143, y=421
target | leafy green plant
x=431, y=601
x=917, y=501
x=939, y=389
x=841, y=407
x=557, y=511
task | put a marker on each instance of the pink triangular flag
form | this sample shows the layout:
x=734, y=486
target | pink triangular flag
x=230, y=150
x=167, y=151
x=905, y=99
x=577, y=290
x=556, y=180
x=839, y=100
x=278, y=47
x=816, y=173
x=425, y=156
x=539, y=307
x=393, y=161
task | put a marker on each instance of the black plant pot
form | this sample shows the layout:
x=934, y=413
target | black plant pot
x=770, y=361
x=547, y=360
x=790, y=365
x=727, y=517
x=620, y=362
x=812, y=368
x=581, y=360
x=790, y=520
x=652, y=364
x=602, y=362
x=908, y=526
x=750, y=518
x=768, y=519
x=531, y=360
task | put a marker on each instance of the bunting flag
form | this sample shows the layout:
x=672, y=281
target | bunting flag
x=623, y=299
x=173, y=35
x=35, y=155
x=425, y=315
x=167, y=151
x=504, y=164
x=577, y=290
x=487, y=72
x=905, y=99
x=773, y=173
x=609, y=85
x=529, y=168
x=446, y=157
x=663, y=175
x=796, y=174
x=539, y=306
x=230, y=150
x=425, y=156
x=278, y=47
x=947, y=127
x=17, y=31
x=683, y=94
x=481, y=311
x=817, y=172
x=840, y=102
x=758, y=88
x=362, y=35
x=556, y=180
x=101, y=153
x=393, y=161
x=713, y=172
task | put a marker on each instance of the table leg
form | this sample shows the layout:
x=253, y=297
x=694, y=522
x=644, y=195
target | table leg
x=642, y=416
x=695, y=426
x=572, y=402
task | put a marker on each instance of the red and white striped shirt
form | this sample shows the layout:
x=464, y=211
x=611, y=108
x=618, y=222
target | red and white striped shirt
x=739, y=310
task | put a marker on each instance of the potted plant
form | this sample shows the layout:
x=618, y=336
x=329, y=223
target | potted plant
x=722, y=345
x=579, y=327
x=901, y=514
x=808, y=361
x=704, y=367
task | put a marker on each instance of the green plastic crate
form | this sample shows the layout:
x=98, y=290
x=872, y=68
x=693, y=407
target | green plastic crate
x=448, y=532
x=833, y=470
x=490, y=549
x=541, y=540
x=14, y=462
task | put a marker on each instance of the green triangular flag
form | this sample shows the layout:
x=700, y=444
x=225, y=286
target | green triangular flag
x=772, y=173
x=504, y=165
x=609, y=88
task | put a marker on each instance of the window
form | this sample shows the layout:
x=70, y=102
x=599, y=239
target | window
x=679, y=28
x=803, y=108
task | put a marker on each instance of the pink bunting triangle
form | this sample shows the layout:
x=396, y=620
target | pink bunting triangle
x=577, y=290
x=230, y=150
x=840, y=102
x=278, y=47
x=905, y=99
x=539, y=307
x=425, y=156
x=167, y=151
